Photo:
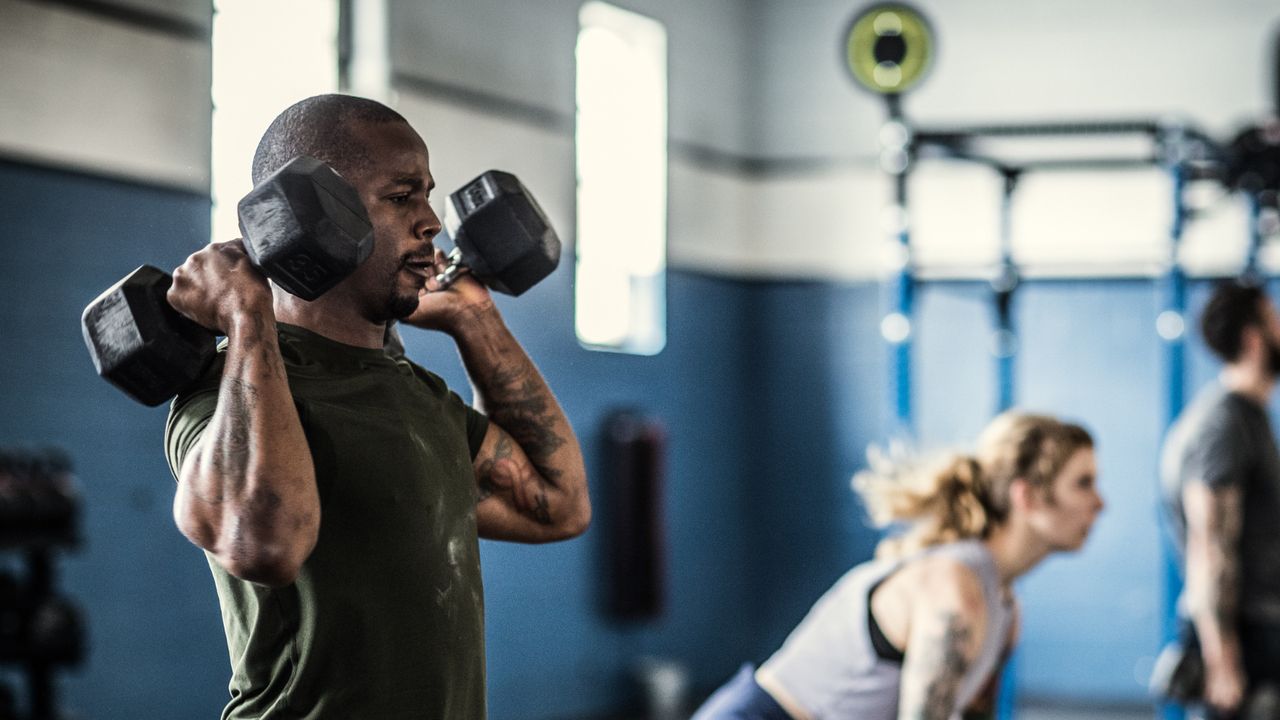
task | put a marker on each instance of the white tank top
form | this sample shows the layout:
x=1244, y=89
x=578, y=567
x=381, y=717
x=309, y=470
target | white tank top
x=829, y=667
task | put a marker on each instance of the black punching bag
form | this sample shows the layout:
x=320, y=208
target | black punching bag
x=635, y=455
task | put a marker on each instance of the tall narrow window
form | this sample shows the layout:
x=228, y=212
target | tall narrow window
x=622, y=180
x=266, y=56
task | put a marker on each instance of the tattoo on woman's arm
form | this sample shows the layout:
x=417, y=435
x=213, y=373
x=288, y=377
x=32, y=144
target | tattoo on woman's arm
x=950, y=663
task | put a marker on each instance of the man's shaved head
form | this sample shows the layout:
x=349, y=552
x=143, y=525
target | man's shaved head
x=322, y=127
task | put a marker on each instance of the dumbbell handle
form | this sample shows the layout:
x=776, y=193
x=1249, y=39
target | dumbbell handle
x=453, y=270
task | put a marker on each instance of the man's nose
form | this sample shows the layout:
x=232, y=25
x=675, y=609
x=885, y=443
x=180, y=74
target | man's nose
x=427, y=226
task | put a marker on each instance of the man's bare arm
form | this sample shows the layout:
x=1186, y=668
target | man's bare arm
x=1214, y=519
x=247, y=490
x=530, y=472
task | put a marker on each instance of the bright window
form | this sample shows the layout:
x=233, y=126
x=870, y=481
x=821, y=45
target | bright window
x=622, y=180
x=266, y=56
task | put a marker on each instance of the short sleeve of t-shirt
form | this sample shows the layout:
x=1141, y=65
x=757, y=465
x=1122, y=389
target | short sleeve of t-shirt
x=477, y=426
x=189, y=415
x=1220, y=456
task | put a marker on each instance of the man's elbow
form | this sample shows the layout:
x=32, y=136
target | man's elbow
x=580, y=522
x=262, y=568
x=273, y=559
x=576, y=522
x=271, y=563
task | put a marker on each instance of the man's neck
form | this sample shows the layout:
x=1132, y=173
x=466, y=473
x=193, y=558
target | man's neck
x=1249, y=380
x=330, y=317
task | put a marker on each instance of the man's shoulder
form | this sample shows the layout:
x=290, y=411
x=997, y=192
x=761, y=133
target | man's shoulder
x=1212, y=410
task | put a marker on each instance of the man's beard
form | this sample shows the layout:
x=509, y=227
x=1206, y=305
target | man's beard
x=396, y=304
x=400, y=305
x=1273, y=358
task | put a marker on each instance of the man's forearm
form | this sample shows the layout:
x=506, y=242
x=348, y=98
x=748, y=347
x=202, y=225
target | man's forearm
x=1216, y=611
x=511, y=391
x=248, y=493
x=1213, y=571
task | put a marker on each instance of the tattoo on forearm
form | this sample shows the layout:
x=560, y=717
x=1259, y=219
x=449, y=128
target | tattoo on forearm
x=541, y=511
x=489, y=483
x=239, y=402
x=521, y=405
x=231, y=442
x=1224, y=562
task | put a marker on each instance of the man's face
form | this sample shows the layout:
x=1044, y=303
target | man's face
x=1270, y=328
x=394, y=183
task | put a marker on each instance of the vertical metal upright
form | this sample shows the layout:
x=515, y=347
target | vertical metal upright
x=1252, y=268
x=1171, y=327
x=1004, y=342
x=896, y=158
x=1004, y=346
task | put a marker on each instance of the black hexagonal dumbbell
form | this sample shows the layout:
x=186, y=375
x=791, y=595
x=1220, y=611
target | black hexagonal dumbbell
x=304, y=227
x=306, y=230
x=500, y=234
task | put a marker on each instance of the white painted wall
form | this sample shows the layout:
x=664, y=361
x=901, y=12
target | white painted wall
x=773, y=166
x=524, y=51
x=764, y=81
x=88, y=93
x=1002, y=61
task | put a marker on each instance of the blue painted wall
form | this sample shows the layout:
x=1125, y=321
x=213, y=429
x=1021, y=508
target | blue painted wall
x=157, y=647
x=769, y=391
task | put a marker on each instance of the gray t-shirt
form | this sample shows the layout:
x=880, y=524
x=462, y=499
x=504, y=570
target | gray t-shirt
x=1223, y=439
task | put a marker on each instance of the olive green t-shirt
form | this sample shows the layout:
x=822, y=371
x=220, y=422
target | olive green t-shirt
x=386, y=617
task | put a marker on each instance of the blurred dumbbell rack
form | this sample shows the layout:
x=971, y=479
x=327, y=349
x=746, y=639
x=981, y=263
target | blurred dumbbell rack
x=41, y=631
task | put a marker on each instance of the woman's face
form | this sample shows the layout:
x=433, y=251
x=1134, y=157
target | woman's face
x=1064, y=516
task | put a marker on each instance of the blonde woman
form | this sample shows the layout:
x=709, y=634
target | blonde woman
x=920, y=632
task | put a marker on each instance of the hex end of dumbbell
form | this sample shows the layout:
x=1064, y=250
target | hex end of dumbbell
x=139, y=343
x=504, y=235
x=305, y=227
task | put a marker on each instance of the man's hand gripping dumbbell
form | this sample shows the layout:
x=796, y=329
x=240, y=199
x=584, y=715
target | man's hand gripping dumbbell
x=305, y=229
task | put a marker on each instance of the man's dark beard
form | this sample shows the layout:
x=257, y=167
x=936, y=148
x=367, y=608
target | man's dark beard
x=399, y=307
x=1273, y=358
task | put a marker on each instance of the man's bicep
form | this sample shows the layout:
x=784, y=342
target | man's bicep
x=1212, y=511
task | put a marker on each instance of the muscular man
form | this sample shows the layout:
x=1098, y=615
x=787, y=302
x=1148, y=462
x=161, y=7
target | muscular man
x=338, y=491
x=1221, y=476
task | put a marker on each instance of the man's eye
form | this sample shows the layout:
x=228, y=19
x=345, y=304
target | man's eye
x=399, y=199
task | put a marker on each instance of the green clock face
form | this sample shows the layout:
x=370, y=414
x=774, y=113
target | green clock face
x=889, y=48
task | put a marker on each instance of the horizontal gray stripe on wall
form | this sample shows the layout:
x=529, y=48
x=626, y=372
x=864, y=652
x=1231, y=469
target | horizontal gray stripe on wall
x=693, y=154
x=164, y=23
